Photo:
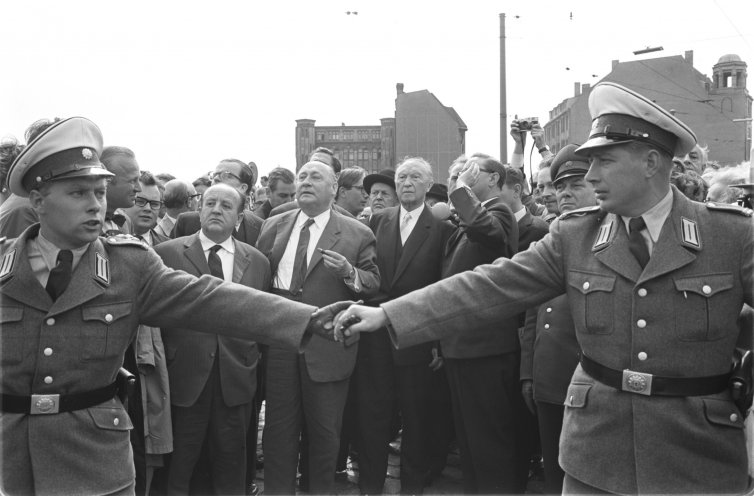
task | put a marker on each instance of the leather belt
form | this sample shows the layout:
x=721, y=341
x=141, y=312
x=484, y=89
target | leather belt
x=648, y=384
x=46, y=404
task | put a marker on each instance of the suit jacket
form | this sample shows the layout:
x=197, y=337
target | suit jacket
x=164, y=227
x=326, y=360
x=549, y=350
x=675, y=318
x=264, y=210
x=118, y=284
x=191, y=354
x=530, y=229
x=418, y=265
x=485, y=233
x=248, y=232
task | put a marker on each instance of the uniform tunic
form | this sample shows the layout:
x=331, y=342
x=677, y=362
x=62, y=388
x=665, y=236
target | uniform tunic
x=675, y=318
x=77, y=343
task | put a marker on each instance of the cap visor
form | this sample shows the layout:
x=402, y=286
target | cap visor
x=598, y=142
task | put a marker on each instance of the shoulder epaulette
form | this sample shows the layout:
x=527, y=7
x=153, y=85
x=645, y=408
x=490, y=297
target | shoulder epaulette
x=729, y=207
x=125, y=240
x=580, y=212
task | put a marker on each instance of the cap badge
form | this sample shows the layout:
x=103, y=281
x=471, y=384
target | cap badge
x=86, y=153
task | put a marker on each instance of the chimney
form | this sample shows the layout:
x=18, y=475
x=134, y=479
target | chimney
x=615, y=63
x=585, y=88
x=689, y=56
x=399, y=88
x=576, y=89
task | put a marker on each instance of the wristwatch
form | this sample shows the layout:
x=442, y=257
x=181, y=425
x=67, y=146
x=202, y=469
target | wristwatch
x=544, y=148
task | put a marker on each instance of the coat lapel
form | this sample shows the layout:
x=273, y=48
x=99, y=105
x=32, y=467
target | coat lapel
x=195, y=254
x=20, y=283
x=240, y=262
x=614, y=251
x=414, y=242
x=326, y=241
x=282, y=235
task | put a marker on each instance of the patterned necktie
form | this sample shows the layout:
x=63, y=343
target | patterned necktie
x=299, y=263
x=215, y=265
x=636, y=242
x=60, y=275
x=404, y=228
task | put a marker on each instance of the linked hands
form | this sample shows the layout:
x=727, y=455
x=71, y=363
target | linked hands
x=358, y=318
x=322, y=322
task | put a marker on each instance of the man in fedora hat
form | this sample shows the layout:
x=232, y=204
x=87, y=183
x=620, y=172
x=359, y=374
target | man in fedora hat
x=655, y=284
x=70, y=305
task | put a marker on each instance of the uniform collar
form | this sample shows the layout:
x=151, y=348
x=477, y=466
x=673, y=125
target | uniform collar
x=655, y=217
x=49, y=251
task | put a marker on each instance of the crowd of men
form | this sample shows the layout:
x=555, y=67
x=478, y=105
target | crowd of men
x=606, y=262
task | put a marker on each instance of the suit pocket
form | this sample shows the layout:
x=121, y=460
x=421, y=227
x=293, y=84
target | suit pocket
x=701, y=306
x=13, y=339
x=106, y=330
x=577, y=395
x=593, y=307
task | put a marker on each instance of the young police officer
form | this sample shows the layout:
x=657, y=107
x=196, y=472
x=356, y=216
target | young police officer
x=71, y=303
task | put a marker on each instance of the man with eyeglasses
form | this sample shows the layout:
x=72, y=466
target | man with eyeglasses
x=143, y=214
x=122, y=188
x=240, y=176
x=351, y=195
x=179, y=196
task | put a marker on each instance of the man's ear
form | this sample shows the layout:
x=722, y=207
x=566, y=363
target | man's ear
x=654, y=162
x=37, y=201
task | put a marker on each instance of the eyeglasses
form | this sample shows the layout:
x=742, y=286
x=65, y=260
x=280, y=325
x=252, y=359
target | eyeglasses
x=142, y=202
x=223, y=176
x=195, y=197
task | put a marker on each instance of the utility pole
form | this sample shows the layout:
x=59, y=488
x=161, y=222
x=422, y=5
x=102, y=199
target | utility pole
x=503, y=104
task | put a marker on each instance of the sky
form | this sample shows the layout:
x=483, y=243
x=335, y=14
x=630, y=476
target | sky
x=186, y=84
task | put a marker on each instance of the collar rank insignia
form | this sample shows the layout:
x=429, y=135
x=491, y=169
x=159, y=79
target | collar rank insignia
x=6, y=266
x=603, y=235
x=690, y=233
x=101, y=268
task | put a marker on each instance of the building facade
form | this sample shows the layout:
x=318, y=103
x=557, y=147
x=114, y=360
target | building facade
x=717, y=109
x=422, y=127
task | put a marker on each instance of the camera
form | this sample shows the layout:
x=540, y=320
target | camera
x=526, y=123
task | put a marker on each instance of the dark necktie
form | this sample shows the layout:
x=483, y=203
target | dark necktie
x=299, y=263
x=60, y=275
x=636, y=242
x=215, y=265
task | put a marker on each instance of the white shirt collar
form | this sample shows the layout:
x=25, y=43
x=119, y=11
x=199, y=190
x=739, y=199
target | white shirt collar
x=207, y=243
x=415, y=213
x=320, y=221
x=520, y=214
x=655, y=217
x=49, y=252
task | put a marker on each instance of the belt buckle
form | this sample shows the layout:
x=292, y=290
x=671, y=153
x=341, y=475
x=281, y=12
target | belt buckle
x=637, y=382
x=44, y=404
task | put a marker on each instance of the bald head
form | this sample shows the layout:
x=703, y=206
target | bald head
x=178, y=197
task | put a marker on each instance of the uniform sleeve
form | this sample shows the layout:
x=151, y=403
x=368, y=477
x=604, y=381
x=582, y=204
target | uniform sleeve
x=478, y=299
x=171, y=298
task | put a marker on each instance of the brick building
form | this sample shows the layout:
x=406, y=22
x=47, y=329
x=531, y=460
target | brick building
x=422, y=127
x=716, y=109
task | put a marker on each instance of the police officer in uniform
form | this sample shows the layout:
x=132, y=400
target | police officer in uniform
x=71, y=304
x=655, y=284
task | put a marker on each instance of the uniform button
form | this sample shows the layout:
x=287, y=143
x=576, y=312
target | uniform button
x=641, y=323
x=733, y=417
x=547, y=326
x=706, y=289
x=212, y=355
x=549, y=309
x=642, y=356
x=116, y=421
x=48, y=351
x=642, y=292
x=585, y=285
x=48, y=380
x=50, y=321
x=108, y=318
